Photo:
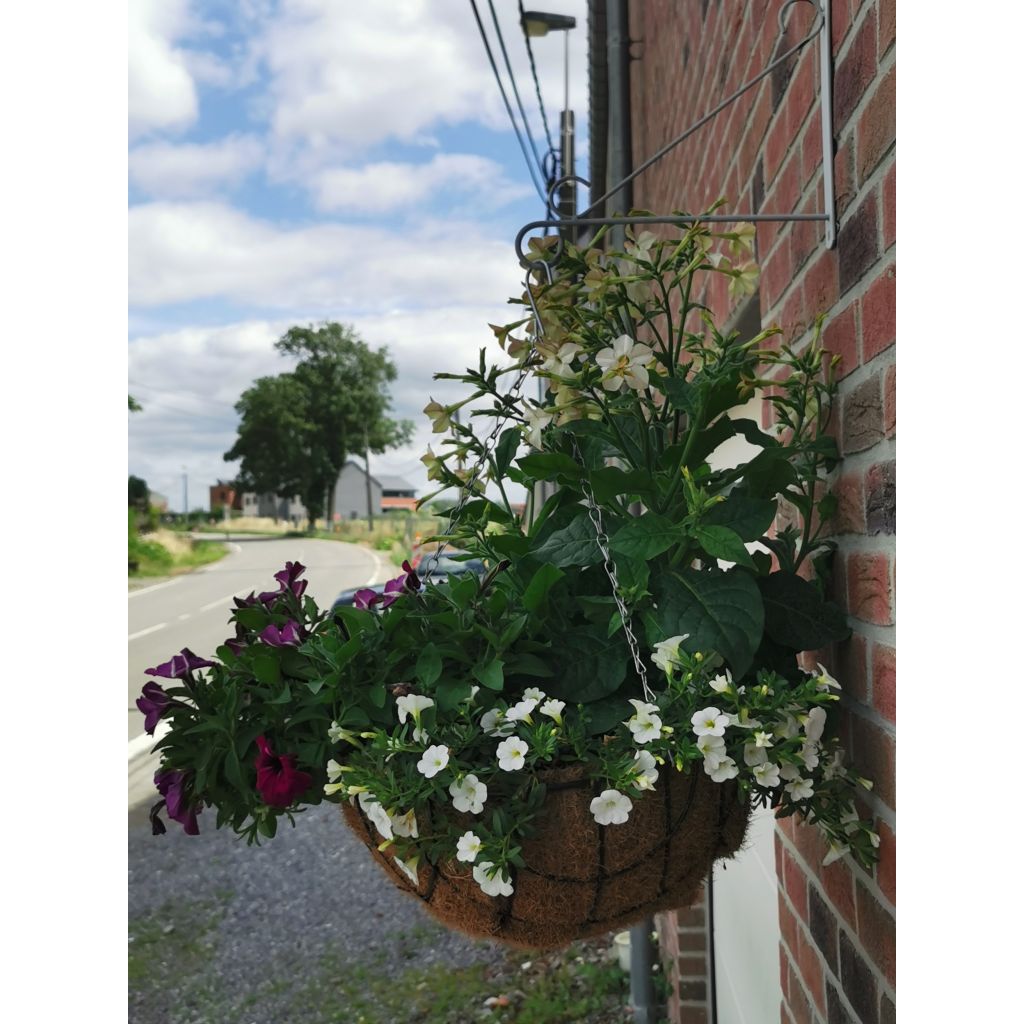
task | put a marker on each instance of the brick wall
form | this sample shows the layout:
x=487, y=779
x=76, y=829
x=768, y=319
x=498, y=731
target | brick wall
x=837, y=955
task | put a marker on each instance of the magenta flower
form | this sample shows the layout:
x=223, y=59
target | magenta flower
x=285, y=636
x=288, y=577
x=172, y=785
x=235, y=646
x=153, y=703
x=180, y=666
x=278, y=781
x=412, y=581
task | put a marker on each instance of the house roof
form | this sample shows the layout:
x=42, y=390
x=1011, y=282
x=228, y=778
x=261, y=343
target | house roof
x=394, y=483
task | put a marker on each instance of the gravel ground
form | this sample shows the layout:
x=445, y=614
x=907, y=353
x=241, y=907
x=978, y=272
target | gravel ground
x=222, y=933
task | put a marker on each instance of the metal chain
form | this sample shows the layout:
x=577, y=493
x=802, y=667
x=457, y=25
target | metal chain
x=594, y=511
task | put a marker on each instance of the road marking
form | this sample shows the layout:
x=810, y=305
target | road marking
x=220, y=600
x=146, y=632
x=379, y=568
x=156, y=586
x=184, y=616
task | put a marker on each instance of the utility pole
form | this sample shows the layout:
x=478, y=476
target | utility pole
x=369, y=488
x=184, y=493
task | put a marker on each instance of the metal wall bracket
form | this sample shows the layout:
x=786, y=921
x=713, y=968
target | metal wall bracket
x=822, y=30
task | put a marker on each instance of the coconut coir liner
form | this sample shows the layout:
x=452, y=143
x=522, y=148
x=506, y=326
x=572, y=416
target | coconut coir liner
x=583, y=879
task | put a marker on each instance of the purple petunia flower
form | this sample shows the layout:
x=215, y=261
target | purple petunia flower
x=412, y=581
x=235, y=646
x=278, y=780
x=288, y=577
x=180, y=666
x=365, y=599
x=171, y=785
x=285, y=636
x=153, y=703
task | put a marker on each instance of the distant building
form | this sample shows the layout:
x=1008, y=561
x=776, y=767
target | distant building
x=387, y=493
x=158, y=501
x=223, y=493
x=396, y=494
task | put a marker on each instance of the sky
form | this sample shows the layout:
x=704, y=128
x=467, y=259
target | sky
x=299, y=161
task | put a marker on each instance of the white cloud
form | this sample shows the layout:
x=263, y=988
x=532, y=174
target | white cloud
x=161, y=91
x=180, y=252
x=174, y=171
x=386, y=186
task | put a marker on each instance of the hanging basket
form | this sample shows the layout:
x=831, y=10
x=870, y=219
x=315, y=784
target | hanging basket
x=582, y=879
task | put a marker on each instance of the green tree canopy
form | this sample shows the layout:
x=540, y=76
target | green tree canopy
x=297, y=429
x=138, y=493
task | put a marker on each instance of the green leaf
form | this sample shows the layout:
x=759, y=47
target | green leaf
x=721, y=542
x=464, y=591
x=284, y=696
x=749, y=517
x=537, y=589
x=491, y=675
x=233, y=771
x=796, y=616
x=428, y=665
x=575, y=544
x=549, y=466
x=679, y=392
x=451, y=692
x=646, y=536
x=511, y=632
x=754, y=434
x=610, y=482
x=506, y=450
x=253, y=618
x=721, y=611
x=594, y=666
x=527, y=664
x=378, y=695
x=605, y=715
x=266, y=669
x=768, y=473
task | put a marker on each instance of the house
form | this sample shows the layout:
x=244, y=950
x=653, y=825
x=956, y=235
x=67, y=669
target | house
x=396, y=494
x=386, y=492
x=779, y=935
x=271, y=506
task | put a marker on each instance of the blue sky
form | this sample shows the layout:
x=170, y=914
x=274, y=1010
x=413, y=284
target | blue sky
x=291, y=162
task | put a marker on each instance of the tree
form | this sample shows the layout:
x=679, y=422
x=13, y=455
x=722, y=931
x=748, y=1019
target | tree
x=297, y=429
x=138, y=493
x=133, y=406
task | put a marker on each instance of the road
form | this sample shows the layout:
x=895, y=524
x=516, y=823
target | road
x=192, y=611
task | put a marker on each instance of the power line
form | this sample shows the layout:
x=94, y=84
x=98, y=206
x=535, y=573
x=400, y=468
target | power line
x=536, y=80
x=508, y=106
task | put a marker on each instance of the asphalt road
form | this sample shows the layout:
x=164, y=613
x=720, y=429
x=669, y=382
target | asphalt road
x=192, y=611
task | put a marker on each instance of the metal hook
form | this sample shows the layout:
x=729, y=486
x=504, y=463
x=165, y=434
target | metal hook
x=565, y=181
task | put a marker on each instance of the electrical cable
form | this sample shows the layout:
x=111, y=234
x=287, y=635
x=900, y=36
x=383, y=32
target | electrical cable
x=536, y=80
x=508, y=106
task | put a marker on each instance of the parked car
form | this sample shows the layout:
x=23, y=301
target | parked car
x=426, y=564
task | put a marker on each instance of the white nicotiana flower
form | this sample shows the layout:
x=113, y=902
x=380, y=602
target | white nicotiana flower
x=334, y=773
x=744, y=721
x=835, y=852
x=560, y=364
x=800, y=789
x=809, y=754
x=722, y=683
x=373, y=809
x=512, y=754
x=721, y=768
x=645, y=770
x=753, y=754
x=536, y=420
x=625, y=362
x=711, y=746
x=534, y=693
x=469, y=795
x=409, y=867
x=825, y=679
x=405, y=824
x=814, y=724
x=849, y=819
x=492, y=881
x=666, y=652
x=553, y=709
x=787, y=728
x=763, y=739
x=433, y=464
x=767, y=775
x=709, y=722
x=469, y=846
x=789, y=772
x=521, y=712
x=494, y=723
x=337, y=734
x=611, y=808
x=434, y=760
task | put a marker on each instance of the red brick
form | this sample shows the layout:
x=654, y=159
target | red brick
x=783, y=972
x=852, y=671
x=883, y=680
x=878, y=313
x=840, y=338
x=691, y=966
x=821, y=283
x=856, y=70
x=889, y=421
x=811, y=970
x=801, y=92
x=806, y=236
x=692, y=941
x=810, y=843
x=877, y=933
x=857, y=242
x=849, y=492
x=874, y=755
x=787, y=924
x=846, y=184
x=885, y=870
x=796, y=884
x=863, y=421
x=880, y=498
x=810, y=153
x=798, y=1001
x=776, y=273
x=868, y=588
x=886, y=26
x=876, y=127
x=793, y=317
x=837, y=881
x=841, y=18
x=889, y=208
x=777, y=147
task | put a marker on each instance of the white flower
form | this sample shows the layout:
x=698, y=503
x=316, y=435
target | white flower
x=721, y=768
x=753, y=754
x=553, y=709
x=521, y=712
x=744, y=233
x=536, y=420
x=763, y=739
x=611, y=808
x=469, y=795
x=814, y=724
x=468, y=847
x=789, y=772
x=413, y=704
x=645, y=729
x=560, y=364
x=440, y=416
x=744, y=279
x=825, y=679
x=624, y=363
x=434, y=760
x=711, y=746
x=666, y=653
x=876, y=839
x=433, y=464
x=809, y=753
x=494, y=724
x=643, y=709
x=787, y=728
x=409, y=867
x=835, y=852
x=512, y=753
x=721, y=683
x=709, y=722
x=767, y=775
x=405, y=824
x=336, y=734
x=375, y=812
x=645, y=770
x=334, y=773
x=492, y=881
x=800, y=789
x=534, y=693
